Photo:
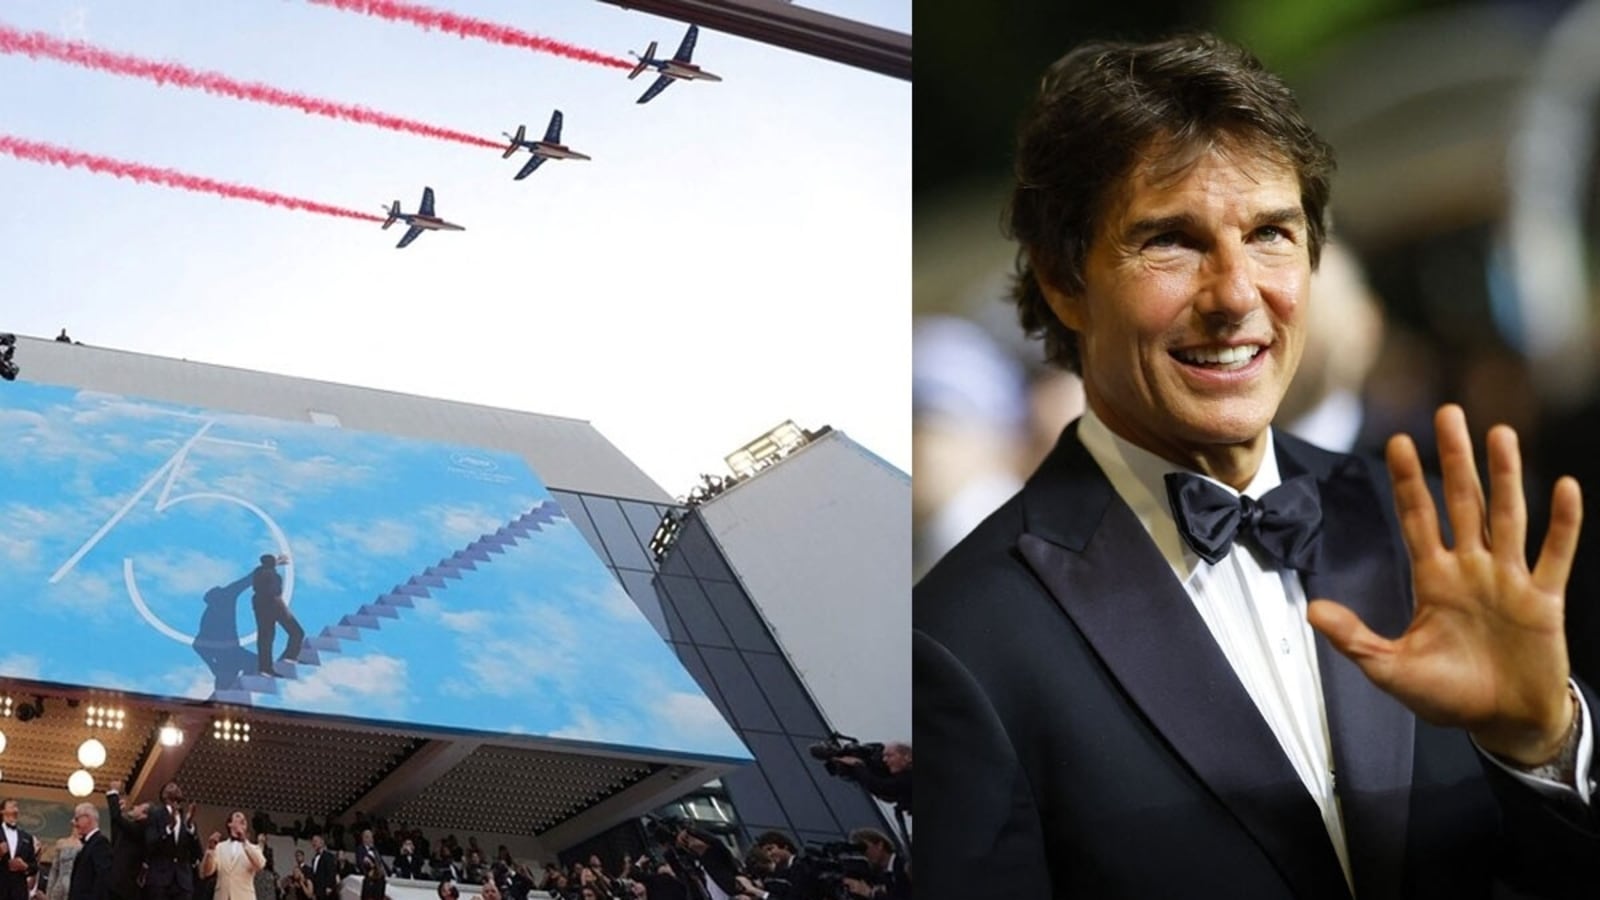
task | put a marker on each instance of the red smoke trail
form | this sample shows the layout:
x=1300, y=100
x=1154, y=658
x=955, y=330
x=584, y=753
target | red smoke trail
x=476, y=28
x=34, y=151
x=38, y=44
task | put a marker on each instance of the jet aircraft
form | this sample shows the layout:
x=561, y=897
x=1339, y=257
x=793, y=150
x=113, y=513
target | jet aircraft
x=421, y=220
x=549, y=148
x=676, y=68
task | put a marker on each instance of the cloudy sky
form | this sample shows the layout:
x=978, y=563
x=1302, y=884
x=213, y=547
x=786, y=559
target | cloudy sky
x=735, y=254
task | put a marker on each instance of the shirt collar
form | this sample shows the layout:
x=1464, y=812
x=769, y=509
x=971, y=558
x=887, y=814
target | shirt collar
x=1139, y=478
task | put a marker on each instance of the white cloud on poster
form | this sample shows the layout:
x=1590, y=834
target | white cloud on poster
x=367, y=686
x=377, y=537
x=21, y=665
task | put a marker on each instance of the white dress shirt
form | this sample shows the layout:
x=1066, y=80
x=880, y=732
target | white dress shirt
x=1258, y=618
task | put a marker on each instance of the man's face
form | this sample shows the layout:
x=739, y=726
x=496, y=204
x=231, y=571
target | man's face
x=82, y=824
x=316, y=843
x=8, y=812
x=877, y=854
x=779, y=853
x=366, y=837
x=1191, y=320
x=299, y=857
x=895, y=759
x=237, y=823
x=407, y=847
x=172, y=794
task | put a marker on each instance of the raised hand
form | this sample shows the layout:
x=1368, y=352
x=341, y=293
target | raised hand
x=1485, y=650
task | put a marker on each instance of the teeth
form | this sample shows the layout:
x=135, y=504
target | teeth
x=1226, y=357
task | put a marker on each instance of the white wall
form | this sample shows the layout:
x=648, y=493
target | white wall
x=822, y=541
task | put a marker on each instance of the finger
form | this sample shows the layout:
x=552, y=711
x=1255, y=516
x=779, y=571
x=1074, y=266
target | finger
x=1373, y=654
x=1561, y=541
x=1463, y=493
x=1419, y=521
x=1508, y=508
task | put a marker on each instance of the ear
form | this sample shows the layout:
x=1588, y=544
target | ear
x=1068, y=307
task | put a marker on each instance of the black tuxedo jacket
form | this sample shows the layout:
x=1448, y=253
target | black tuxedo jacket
x=127, y=850
x=1080, y=734
x=14, y=885
x=169, y=858
x=91, y=870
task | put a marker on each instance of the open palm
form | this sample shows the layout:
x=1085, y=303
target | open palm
x=1485, y=650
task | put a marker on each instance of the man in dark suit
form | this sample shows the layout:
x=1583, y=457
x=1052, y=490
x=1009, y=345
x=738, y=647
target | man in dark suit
x=127, y=845
x=19, y=855
x=1125, y=683
x=406, y=863
x=324, y=870
x=91, y=868
x=172, y=847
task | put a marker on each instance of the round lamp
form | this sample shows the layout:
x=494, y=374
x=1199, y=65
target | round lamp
x=80, y=783
x=2, y=742
x=92, y=753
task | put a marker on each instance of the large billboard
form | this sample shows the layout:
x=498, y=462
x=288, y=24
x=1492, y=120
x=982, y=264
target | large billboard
x=181, y=552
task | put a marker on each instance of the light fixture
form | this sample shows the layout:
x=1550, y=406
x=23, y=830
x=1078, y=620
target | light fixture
x=2, y=742
x=80, y=783
x=230, y=730
x=96, y=716
x=171, y=734
x=92, y=754
x=5, y=706
x=27, y=712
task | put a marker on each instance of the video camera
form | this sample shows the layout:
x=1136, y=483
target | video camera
x=8, y=348
x=819, y=872
x=843, y=745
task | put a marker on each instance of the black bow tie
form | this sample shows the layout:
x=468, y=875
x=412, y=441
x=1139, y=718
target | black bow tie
x=1285, y=524
x=239, y=840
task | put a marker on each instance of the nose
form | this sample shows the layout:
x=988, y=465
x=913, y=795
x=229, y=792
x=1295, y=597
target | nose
x=1228, y=290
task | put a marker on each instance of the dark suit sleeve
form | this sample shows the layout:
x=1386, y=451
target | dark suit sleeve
x=1553, y=846
x=978, y=833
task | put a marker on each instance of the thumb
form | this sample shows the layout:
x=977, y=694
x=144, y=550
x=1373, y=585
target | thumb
x=1371, y=653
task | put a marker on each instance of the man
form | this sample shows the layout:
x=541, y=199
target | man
x=1112, y=701
x=266, y=600
x=324, y=870
x=367, y=854
x=406, y=863
x=895, y=787
x=719, y=870
x=777, y=884
x=172, y=847
x=234, y=862
x=127, y=845
x=19, y=856
x=890, y=880
x=91, y=868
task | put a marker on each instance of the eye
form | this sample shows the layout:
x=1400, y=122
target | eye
x=1273, y=234
x=1166, y=239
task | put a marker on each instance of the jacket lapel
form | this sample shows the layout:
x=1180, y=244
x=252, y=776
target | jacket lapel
x=1099, y=564
x=1372, y=735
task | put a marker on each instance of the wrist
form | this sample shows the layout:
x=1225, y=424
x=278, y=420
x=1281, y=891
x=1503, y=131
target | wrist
x=1551, y=758
x=1543, y=748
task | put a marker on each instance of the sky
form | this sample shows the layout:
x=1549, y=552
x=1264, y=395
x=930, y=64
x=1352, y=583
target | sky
x=735, y=254
x=421, y=573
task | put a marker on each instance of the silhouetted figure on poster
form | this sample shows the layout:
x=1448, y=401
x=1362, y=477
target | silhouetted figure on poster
x=271, y=612
x=217, y=640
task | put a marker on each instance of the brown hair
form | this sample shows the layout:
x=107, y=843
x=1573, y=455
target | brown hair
x=1106, y=107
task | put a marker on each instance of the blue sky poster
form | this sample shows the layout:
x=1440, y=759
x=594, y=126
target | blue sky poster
x=435, y=584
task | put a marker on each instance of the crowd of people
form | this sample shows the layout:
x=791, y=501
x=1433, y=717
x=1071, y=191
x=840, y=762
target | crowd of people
x=157, y=851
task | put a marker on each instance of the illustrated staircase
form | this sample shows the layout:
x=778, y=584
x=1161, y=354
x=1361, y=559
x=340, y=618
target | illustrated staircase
x=392, y=604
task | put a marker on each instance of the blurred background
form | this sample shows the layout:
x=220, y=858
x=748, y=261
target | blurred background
x=1464, y=218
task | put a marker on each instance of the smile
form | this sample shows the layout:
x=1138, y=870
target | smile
x=1224, y=358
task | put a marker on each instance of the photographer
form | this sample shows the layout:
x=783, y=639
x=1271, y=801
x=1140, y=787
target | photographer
x=883, y=769
x=891, y=880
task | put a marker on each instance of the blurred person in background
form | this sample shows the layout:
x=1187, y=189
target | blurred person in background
x=969, y=415
x=1326, y=403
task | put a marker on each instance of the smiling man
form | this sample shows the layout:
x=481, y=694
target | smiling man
x=1197, y=658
